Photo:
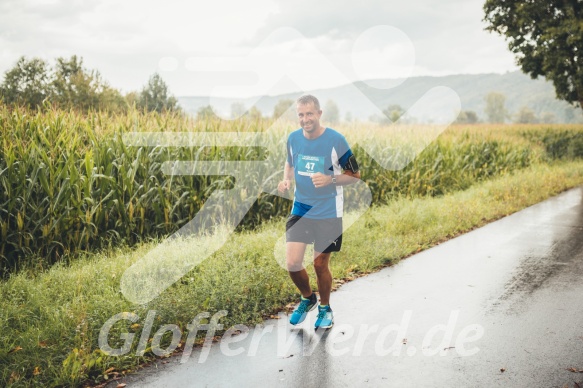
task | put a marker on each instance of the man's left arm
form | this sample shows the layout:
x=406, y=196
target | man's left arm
x=350, y=175
x=350, y=170
x=346, y=178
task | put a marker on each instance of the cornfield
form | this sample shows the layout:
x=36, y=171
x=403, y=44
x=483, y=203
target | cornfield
x=70, y=183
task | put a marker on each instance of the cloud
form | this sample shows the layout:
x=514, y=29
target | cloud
x=448, y=35
x=126, y=40
x=341, y=19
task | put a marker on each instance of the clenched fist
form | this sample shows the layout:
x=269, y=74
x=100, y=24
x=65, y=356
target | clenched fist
x=321, y=180
x=284, y=185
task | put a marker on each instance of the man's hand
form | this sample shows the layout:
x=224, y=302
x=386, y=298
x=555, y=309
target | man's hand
x=284, y=185
x=321, y=180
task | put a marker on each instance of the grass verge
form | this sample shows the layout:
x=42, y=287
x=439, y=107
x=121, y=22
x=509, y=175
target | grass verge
x=49, y=322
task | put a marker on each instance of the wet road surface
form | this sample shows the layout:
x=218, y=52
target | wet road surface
x=501, y=306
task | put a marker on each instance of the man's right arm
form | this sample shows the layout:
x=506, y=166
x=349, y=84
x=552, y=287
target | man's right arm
x=288, y=174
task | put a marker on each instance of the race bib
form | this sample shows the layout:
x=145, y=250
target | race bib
x=309, y=165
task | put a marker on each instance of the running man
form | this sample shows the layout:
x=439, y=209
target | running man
x=321, y=162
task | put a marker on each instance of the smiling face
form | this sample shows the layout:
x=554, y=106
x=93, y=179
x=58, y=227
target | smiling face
x=309, y=117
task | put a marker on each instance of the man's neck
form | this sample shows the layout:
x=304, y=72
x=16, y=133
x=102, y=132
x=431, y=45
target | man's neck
x=317, y=133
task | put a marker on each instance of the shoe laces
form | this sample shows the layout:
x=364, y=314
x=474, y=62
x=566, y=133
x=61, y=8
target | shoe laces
x=303, y=306
x=322, y=313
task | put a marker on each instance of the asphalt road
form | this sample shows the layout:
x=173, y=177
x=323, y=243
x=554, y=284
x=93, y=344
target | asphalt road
x=501, y=306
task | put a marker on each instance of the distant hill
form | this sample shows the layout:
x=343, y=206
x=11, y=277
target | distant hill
x=520, y=90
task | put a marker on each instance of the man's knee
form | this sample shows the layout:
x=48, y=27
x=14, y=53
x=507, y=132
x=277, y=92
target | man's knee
x=294, y=256
x=321, y=262
x=294, y=265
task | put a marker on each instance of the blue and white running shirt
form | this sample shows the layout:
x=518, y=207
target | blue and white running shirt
x=325, y=154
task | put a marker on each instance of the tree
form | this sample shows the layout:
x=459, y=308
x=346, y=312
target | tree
x=132, y=99
x=155, y=97
x=548, y=118
x=547, y=39
x=205, y=113
x=111, y=99
x=394, y=112
x=495, y=109
x=237, y=110
x=73, y=86
x=27, y=83
x=284, y=109
x=254, y=113
x=525, y=116
x=67, y=85
x=331, y=112
x=69, y=82
x=467, y=117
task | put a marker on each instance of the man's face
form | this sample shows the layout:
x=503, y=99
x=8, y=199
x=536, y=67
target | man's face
x=309, y=117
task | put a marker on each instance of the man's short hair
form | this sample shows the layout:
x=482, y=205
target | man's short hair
x=308, y=99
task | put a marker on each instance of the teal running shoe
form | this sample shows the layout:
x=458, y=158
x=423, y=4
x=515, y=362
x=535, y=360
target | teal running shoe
x=325, y=318
x=302, y=310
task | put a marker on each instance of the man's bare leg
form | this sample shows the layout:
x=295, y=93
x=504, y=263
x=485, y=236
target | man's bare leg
x=323, y=276
x=294, y=256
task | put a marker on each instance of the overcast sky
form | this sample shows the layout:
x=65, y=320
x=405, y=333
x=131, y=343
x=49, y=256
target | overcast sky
x=242, y=48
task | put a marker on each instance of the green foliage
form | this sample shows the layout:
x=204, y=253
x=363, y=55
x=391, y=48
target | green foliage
x=50, y=321
x=495, y=108
x=237, y=110
x=548, y=118
x=254, y=113
x=558, y=144
x=285, y=109
x=70, y=184
x=27, y=83
x=467, y=117
x=155, y=96
x=67, y=85
x=525, y=116
x=74, y=87
x=547, y=39
x=391, y=114
x=132, y=99
x=394, y=112
x=205, y=113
